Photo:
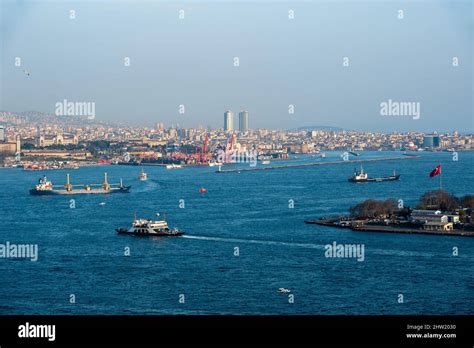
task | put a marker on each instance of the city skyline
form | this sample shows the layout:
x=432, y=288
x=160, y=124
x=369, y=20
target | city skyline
x=334, y=73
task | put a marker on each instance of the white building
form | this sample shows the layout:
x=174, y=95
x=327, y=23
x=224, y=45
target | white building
x=228, y=121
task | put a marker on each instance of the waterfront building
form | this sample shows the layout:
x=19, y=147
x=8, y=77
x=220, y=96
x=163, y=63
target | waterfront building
x=243, y=121
x=58, y=139
x=438, y=226
x=228, y=121
x=431, y=141
x=2, y=134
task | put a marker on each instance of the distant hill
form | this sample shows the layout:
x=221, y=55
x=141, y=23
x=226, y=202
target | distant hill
x=311, y=128
x=41, y=118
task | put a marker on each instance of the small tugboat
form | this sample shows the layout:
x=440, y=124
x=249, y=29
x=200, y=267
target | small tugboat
x=145, y=227
x=363, y=177
x=143, y=176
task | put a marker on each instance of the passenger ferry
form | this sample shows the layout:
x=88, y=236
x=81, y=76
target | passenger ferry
x=145, y=227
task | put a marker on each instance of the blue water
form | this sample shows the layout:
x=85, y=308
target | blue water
x=80, y=253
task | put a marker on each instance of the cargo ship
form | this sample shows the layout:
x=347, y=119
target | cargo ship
x=45, y=188
x=363, y=177
x=145, y=227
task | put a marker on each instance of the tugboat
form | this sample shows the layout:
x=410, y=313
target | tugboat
x=363, y=177
x=143, y=176
x=145, y=227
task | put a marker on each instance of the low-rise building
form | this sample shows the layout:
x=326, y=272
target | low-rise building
x=425, y=218
x=438, y=226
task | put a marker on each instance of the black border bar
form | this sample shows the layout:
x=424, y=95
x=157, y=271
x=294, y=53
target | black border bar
x=291, y=330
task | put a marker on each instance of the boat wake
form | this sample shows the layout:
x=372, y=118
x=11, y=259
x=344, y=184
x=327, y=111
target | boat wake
x=255, y=241
x=147, y=187
x=400, y=253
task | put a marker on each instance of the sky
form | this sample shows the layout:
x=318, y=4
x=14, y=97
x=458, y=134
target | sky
x=282, y=61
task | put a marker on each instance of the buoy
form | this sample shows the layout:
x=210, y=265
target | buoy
x=202, y=189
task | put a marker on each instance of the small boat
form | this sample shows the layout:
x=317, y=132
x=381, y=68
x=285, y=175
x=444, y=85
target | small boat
x=354, y=153
x=283, y=290
x=363, y=177
x=265, y=162
x=202, y=189
x=173, y=166
x=323, y=155
x=145, y=227
x=143, y=176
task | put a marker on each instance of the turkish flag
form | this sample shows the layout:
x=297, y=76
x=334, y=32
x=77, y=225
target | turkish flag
x=436, y=171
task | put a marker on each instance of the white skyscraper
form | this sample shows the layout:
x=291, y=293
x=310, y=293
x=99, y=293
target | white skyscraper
x=228, y=121
x=243, y=121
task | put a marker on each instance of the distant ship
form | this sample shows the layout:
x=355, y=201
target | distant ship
x=145, y=227
x=173, y=166
x=45, y=188
x=265, y=162
x=143, y=176
x=363, y=177
x=354, y=153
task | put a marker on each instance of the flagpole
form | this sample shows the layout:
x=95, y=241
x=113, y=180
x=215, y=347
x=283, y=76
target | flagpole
x=440, y=175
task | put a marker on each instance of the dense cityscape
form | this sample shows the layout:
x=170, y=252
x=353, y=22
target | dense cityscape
x=26, y=139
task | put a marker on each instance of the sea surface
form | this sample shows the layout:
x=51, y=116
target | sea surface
x=243, y=241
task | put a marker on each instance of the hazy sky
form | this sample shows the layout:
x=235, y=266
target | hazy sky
x=190, y=61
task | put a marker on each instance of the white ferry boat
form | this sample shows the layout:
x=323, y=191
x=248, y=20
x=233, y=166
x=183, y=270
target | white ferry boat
x=145, y=227
x=173, y=166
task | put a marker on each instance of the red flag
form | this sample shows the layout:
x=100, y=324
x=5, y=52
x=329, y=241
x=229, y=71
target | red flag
x=436, y=171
